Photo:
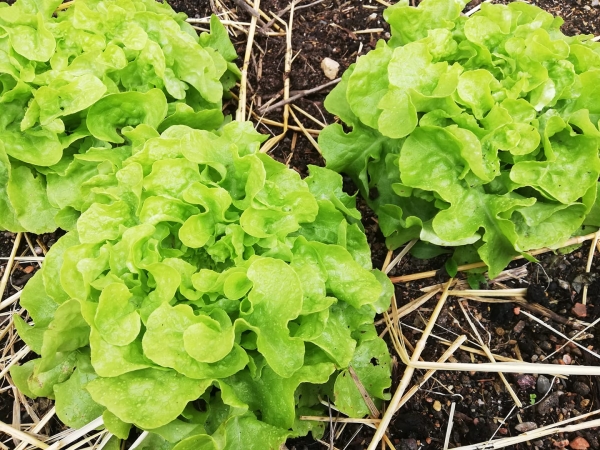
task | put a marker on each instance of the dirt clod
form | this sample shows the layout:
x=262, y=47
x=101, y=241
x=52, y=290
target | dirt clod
x=579, y=443
x=579, y=310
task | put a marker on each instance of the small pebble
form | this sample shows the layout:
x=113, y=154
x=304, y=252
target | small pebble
x=584, y=403
x=437, y=405
x=543, y=384
x=526, y=381
x=548, y=404
x=330, y=68
x=581, y=388
x=564, y=285
x=579, y=443
x=561, y=444
x=526, y=426
x=546, y=346
x=567, y=359
x=519, y=326
x=408, y=444
x=579, y=310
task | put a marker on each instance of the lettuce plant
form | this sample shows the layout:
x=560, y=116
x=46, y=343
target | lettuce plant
x=70, y=80
x=208, y=295
x=476, y=132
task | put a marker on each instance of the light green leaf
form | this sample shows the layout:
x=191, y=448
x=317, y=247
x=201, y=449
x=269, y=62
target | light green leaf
x=372, y=365
x=27, y=193
x=350, y=153
x=218, y=39
x=211, y=339
x=399, y=116
x=67, y=332
x=112, y=360
x=576, y=159
x=52, y=267
x=249, y=433
x=115, y=425
x=474, y=91
x=74, y=406
x=368, y=83
x=116, y=318
x=62, y=99
x=347, y=280
x=159, y=395
x=164, y=344
x=198, y=442
x=273, y=395
x=272, y=303
x=126, y=109
x=100, y=223
x=410, y=24
x=37, y=43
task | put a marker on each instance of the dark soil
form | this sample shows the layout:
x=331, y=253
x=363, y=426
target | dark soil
x=328, y=29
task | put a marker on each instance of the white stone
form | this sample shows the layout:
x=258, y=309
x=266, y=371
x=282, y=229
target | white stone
x=330, y=68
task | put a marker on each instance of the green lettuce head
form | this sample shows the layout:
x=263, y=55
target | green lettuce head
x=73, y=81
x=477, y=131
x=208, y=295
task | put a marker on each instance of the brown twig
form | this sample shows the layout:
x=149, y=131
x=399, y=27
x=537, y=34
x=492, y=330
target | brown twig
x=253, y=11
x=279, y=14
x=545, y=312
x=300, y=94
x=363, y=392
x=281, y=125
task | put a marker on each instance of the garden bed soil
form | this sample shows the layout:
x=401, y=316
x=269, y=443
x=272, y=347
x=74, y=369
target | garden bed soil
x=332, y=28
